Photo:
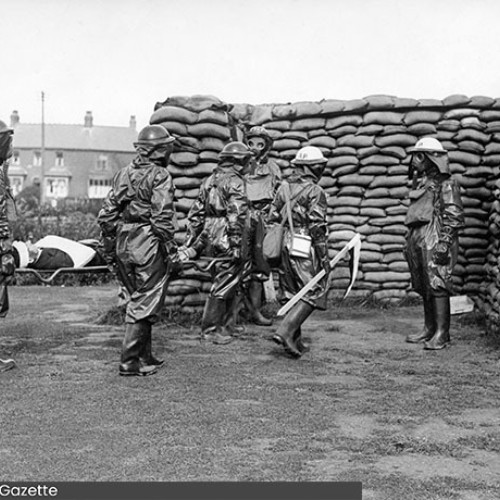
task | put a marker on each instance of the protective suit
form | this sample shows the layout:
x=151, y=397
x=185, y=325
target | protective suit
x=262, y=180
x=138, y=225
x=218, y=227
x=434, y=217
x=309, y=208
x=7, y=219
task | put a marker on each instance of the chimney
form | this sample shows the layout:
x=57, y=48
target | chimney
x=88, y=120
x=14, y=119
x=133, y=122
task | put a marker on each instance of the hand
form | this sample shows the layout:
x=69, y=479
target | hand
x=185, y=253
x=236, y=255
x=441, y=254
x=326, y=266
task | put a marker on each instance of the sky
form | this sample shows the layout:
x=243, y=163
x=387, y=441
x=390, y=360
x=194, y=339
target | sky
x=117, y=58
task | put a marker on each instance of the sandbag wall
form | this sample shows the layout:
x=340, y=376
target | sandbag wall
x=491, y=306
x=366, y=142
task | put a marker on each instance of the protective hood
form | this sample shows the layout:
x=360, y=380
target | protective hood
x=5, y=139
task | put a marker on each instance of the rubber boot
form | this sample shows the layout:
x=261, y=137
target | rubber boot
x=133, y=344
x=231, y=317
x=303, y=346
x=429, y=324
x=146, y=357
x=289, y=330
x=442, y=336
x=212, y=319
x=255, y=296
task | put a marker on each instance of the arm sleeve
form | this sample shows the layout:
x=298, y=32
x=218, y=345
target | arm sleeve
x=163, y=219
x=452, y=212
x=237, y=211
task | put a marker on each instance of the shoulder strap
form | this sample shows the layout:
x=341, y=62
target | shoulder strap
x=289, y=203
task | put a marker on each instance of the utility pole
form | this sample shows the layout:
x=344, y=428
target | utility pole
x=42, y=155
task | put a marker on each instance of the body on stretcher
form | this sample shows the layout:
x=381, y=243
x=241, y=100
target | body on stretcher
x=53, y=255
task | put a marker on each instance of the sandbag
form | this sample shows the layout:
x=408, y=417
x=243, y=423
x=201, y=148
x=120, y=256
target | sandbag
x=421, y=116
x=383, y=118
x=356, y=141
x=213, y=116
x=209, y=129
x=343, y=120
x=173, y=114
x=308, y=123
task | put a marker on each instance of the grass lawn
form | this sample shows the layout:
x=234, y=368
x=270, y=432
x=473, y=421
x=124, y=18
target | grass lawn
x=361, y=406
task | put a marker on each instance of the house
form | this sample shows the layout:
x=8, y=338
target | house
x=79, y=160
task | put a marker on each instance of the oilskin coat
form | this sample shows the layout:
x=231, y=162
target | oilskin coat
x=138, y=225
x=435, y=212
x=262, y=182
x=218, y=227
x=7, y=219
x=309, y=218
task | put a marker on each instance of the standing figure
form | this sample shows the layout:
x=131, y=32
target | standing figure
x=434, y=217
x=138, y=225
x=308, y=209
x=218, y=227
x=7, y=218
x=263, y=177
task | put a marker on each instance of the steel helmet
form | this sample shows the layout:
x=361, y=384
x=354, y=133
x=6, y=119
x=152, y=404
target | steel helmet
x=154, y=134
x=5, y=141
x=428, y=145
x=309, y=155
x=4, y=129
x=236, y=150
x=433, y=150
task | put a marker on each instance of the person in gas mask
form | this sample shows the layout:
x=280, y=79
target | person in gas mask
x=7, y=219
x=138, y=224
x=434, y=217
x=218, y=227
x=263, y=177
x=308, y=203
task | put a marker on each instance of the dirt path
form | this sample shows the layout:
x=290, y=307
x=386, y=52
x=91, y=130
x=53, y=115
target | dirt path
x=362, y=405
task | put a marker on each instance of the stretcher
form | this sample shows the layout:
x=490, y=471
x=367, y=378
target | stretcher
x=47, y=276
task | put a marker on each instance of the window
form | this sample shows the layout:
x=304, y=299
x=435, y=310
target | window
x=59, y=159
x=99, y=188
x=16, y=184
x=102, y=162
x=15, y=160
x=37, y=159
x=56, y=187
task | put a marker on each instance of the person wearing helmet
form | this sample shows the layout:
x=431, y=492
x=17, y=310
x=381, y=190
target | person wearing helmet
x=434, y=217
x=218, y=227
x=7, y=219
x=138, y=224
x=308, y=203
x=263, y=177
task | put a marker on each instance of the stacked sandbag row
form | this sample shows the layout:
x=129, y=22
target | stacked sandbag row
x=202, y=126
x=366, y=142
x=491, y=306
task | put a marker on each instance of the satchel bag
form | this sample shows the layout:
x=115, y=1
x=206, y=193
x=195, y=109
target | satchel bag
x=272, y=245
